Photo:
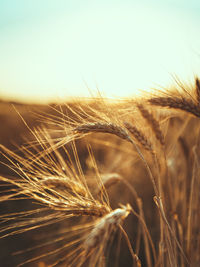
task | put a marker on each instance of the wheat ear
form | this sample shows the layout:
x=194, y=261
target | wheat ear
x=180, y=103
x=105, y=226
x=154, y=124
x=103, y=127
x=63, y=184
x=139, y=136
x=197, y=90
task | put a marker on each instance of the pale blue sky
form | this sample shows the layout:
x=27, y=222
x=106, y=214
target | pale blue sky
x=54, y=48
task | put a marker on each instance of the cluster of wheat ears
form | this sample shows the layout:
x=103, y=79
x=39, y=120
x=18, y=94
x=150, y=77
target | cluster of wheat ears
x=106, y=183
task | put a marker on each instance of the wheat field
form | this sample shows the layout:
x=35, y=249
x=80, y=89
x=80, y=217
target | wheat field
x=96, y=182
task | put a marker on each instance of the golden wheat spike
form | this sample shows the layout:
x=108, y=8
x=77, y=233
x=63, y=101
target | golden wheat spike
x=197, y=90
x=154, y=124
x=105, y=225
x=64, y=184
x=139, y=136
x=103, y=127
x=180, y=103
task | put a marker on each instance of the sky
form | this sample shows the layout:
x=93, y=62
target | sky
x=53, y=49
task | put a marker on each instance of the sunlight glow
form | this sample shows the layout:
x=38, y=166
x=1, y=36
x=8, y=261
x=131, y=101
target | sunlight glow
x=51, y=50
